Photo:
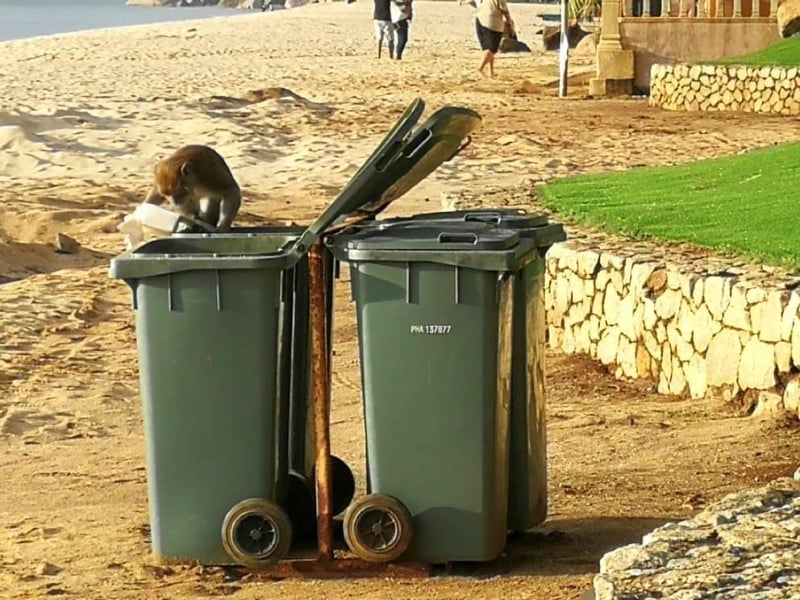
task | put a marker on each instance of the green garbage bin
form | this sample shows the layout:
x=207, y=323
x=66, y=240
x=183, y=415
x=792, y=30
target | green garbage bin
x=295, y=384
x=212, y=323
x=434, y=313
x=207, y=313
x=527, y=493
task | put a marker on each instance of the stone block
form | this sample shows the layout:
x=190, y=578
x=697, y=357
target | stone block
x=722, y=358
x=757, y=365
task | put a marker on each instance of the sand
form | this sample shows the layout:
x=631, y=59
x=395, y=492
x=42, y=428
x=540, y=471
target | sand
x=83, y=119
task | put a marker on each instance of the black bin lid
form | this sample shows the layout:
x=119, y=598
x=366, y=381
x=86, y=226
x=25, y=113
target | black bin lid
x=401, y=161
x=508, y=218
x=478, y=246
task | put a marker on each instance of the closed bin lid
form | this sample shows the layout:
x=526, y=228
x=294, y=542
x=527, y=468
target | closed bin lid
x=484, y=248
x=530, y=225
x=508, y=218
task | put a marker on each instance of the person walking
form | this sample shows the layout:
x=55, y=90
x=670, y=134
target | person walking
x=401, y=18
x=382, y=16
x=490, y=21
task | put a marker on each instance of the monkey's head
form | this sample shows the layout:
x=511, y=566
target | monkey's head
x=176, y=181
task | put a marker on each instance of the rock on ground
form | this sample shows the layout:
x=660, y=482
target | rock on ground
x=745, y=546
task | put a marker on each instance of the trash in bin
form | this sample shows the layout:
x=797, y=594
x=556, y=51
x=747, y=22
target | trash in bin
x=212, y=321
x=434, y=311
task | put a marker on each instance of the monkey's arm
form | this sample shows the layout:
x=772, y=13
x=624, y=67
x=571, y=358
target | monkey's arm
x=154, y=196
x=229, y=208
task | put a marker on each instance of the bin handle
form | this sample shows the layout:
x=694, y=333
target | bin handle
x=484, y=217
x=458, y=238
x=388, y=156
x=423, y=136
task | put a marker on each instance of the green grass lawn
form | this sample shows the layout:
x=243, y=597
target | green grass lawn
x=785, y=53
x=745, y=204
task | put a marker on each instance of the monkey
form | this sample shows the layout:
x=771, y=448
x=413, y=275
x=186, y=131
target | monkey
x=193, y=174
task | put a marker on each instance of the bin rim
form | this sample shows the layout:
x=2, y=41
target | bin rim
x=139, y=263
x=506, y=260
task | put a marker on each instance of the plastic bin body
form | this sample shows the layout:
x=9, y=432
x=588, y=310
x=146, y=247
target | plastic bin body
x=527, y=487
x=435, y=348
x=209, y=345
x=295, y=338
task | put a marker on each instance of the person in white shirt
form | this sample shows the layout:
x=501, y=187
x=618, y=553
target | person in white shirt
x=490, y=21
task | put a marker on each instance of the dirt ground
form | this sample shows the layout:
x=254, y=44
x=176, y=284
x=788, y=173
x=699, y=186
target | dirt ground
x=73, y=507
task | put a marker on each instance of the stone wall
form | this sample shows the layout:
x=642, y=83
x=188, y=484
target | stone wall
x=723, y=332
x=726, y=88
x=744, y=546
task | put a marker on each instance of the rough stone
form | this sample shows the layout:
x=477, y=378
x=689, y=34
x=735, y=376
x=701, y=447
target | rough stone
x=697, y=291
x=607, y=346
x=722, y=358
x=575, y=287
x=642, y=360
x=766, y=318
x=685, y=321
x=757, y=366
x=717, y=294
x=667, y=304
x=640, y=274
x=769, y=405
x=611, y=261
x=626, y=319
x=561, y=296
x=695, y=371
x=791, y=396
x=587, y=261
x=783, y=356
x=789, y=315
x=796, y=342
x=652, y=344
x=65, y=244
x=611, y=305
x=727, y=551
x=626, y=357
x=649, y=316
x=737, y=315
x=677, y=381
x=594, y=328
x=657, y=280
x=704, y=328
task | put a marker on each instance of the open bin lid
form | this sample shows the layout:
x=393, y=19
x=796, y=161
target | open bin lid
x=400, y=162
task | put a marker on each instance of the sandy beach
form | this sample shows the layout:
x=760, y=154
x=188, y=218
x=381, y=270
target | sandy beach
x=295, y=100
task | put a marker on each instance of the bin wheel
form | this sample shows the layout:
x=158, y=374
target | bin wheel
x=256, y=533
x=378, y=528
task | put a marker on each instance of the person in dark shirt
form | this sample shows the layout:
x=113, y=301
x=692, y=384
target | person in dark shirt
x=401, y=17
x=382, y=16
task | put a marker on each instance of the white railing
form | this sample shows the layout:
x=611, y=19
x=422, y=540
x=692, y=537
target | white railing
x=698, y=8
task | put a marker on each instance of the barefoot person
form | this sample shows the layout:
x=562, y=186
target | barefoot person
x=384, y=29
x=490, y=21
x=401, y=17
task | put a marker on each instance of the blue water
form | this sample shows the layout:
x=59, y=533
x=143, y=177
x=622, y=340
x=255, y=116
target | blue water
x=30, y=18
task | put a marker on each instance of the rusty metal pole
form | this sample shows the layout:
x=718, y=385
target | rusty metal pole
x=321, y=397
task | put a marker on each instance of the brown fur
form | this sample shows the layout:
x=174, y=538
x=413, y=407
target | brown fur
x=194, y=173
